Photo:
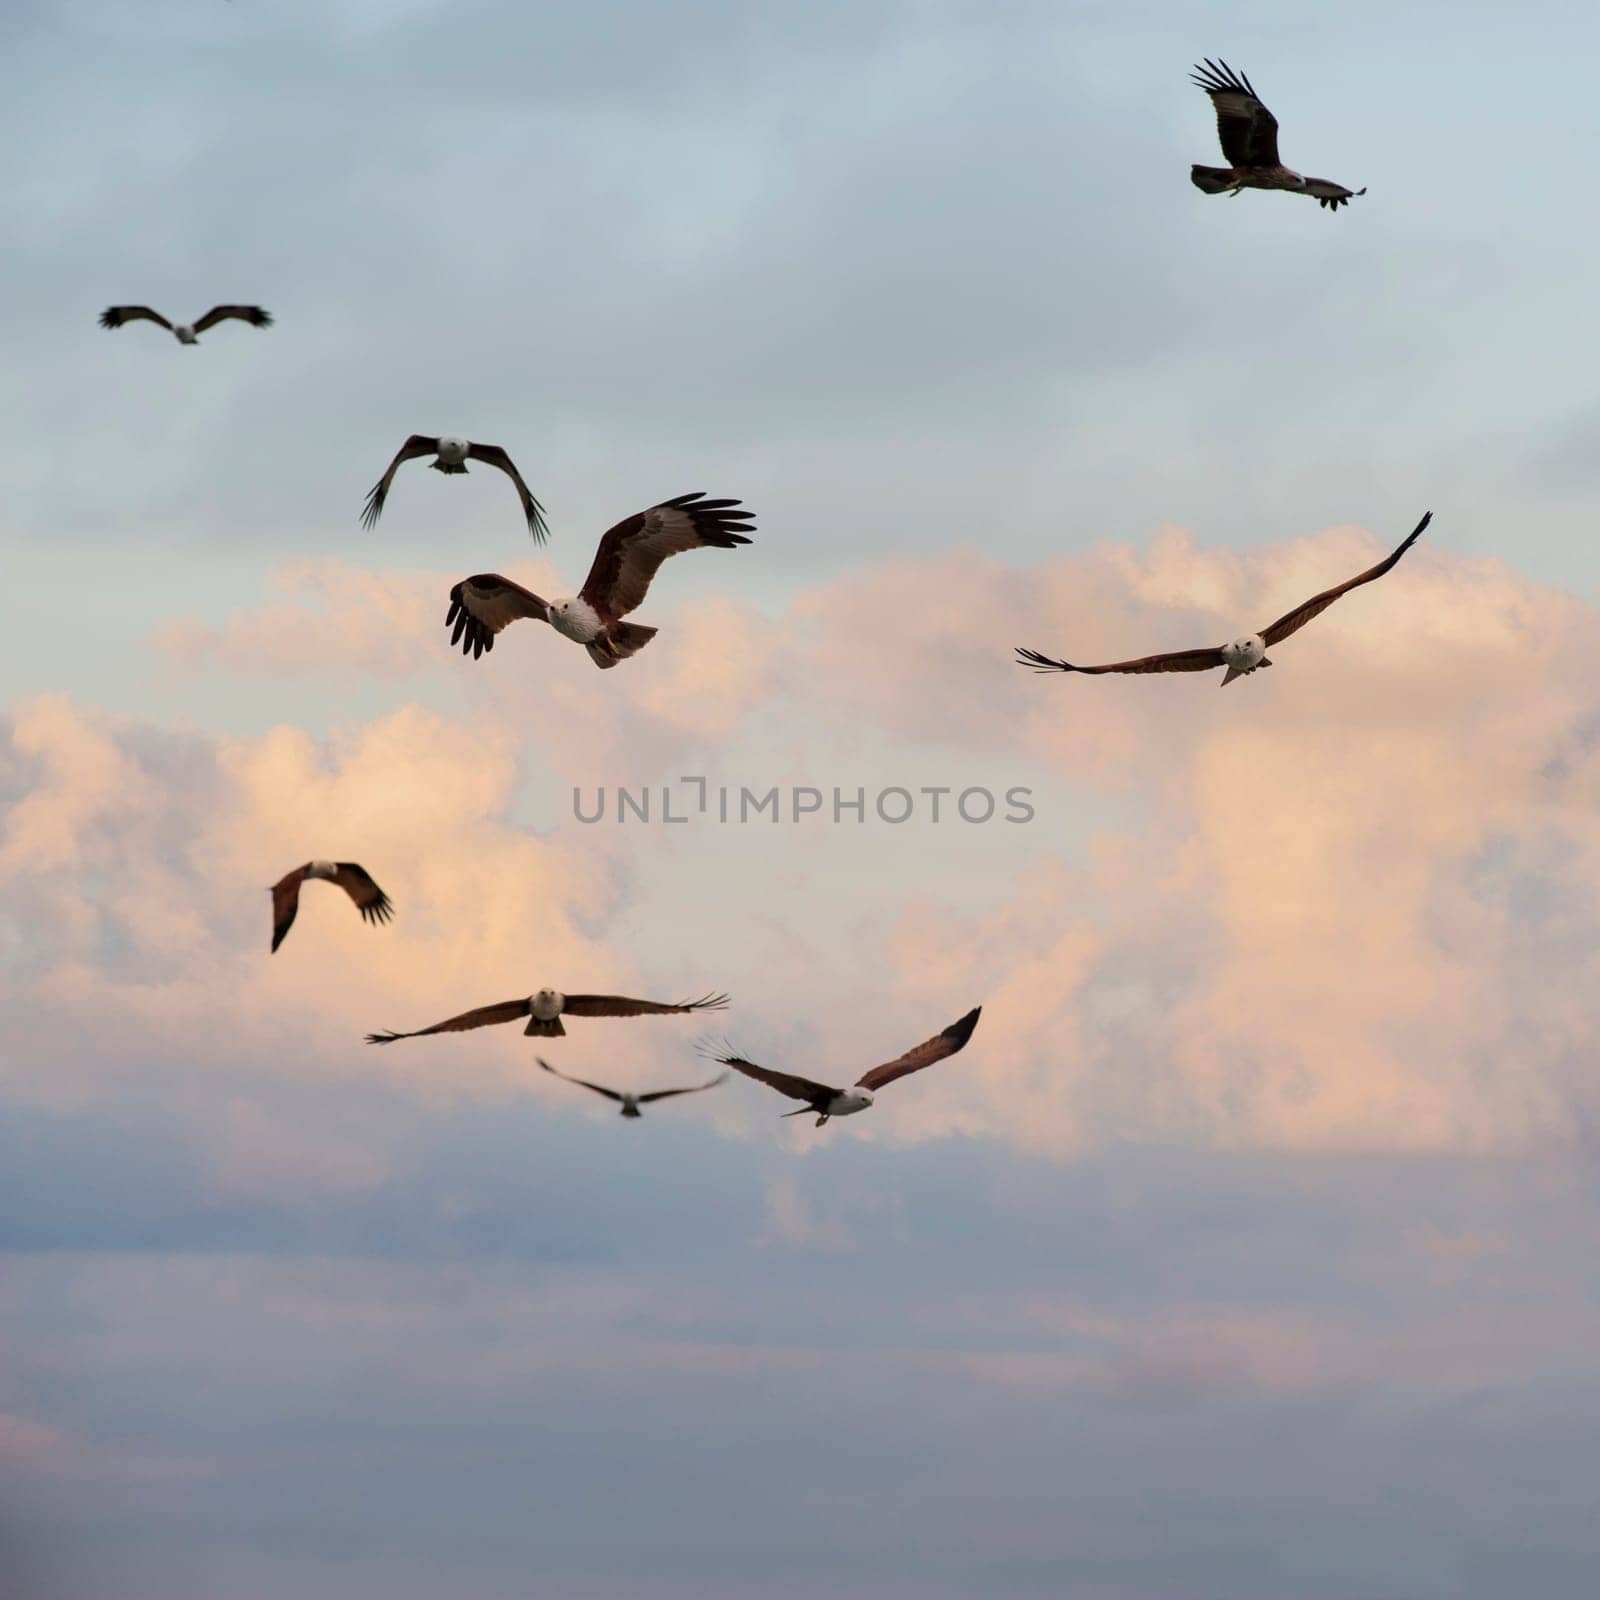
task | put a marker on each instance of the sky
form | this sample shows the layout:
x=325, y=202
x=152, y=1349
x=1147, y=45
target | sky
x=1246, y=1251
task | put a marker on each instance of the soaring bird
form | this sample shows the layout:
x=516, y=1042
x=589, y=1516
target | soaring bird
x=1249, y=136
x=356, y=881
x=826, y=1101
x=630, y=1103
x=545, y=1009
x=618, y=581
x=185, y=332
x=1245, y=654
x=451, y=455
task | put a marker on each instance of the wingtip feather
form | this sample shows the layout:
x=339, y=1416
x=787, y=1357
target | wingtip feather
x=1041, y=663
x=959, y=1032
x=708, y=1002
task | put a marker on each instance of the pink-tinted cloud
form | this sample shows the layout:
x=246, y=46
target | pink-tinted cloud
x=135, y=869
x=332, y=616
x=1348, y=906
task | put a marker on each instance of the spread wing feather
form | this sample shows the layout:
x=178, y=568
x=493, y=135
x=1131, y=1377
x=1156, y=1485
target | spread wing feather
x=942, y=1044
x=373, y=904
x=1172, y=661
x=1293, y=621
x=631, y=553
x=418, y=444
x=491, y=455
x=1248, y=132
x=610, y=1094
x=483, y=1017
x=115, y=316
x=481, y=606
x=286, y=902
x=693, y=1088
x=254, y=315
x=797, y=1088
x=1330, y=195
x=617, y=1005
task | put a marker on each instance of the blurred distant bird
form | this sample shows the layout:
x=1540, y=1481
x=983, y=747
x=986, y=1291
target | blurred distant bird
x=827, y=1101
x=546, y=1008
x=630, y=1103
x=356, y=882
x=185, y=332
x=1249, y=136
x=1245, y=654
x=628, y=558
x=451, y=455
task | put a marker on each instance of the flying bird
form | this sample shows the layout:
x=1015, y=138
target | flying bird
x=826, y=1101
x=451, y=456
x=546, y=1008
x=630, y=1103
x=1245, y=654
x=185, y=332
x=356, y=881
x=1249, y=136
x=618, y=581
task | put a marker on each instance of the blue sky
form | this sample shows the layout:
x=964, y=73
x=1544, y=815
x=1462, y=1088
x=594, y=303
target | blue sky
x=1246, y=1252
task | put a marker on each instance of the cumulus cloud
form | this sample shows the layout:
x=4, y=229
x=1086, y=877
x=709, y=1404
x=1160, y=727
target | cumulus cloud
x=135, y=867
x=333, y=616
x=1340, y=909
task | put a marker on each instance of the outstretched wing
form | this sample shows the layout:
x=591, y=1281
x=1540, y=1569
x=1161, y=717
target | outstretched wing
x=1330, y=195
x=610, y=1094
x=115, y=316
x=1294, y=620
x=1173, y=661
x=617, y=1005
x=667, y=1094
x=371, y=901
x=631, y=552
x=797, y=1088
x=286, y=902
x=491, y=455
x=483, y=1017
x=1247, y=130
x=937, y=1048
x=417, y=445
x=254, y=315
x=480, y=607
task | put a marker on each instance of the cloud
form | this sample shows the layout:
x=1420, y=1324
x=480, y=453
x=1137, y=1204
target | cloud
x=1342, y=908
x=23, y=1442
x=791, y=1221
x=135, y=867
x=333, y=615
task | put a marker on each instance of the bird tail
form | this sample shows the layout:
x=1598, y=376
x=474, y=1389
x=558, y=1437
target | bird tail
x=544, y=1030
x=1231, y=674
x=618, y=642
x=447, y=466
x=1212, y=179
